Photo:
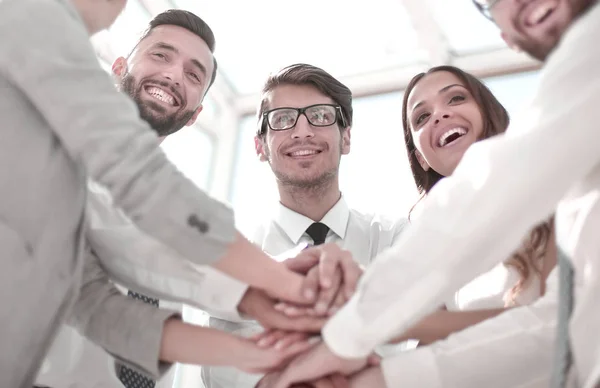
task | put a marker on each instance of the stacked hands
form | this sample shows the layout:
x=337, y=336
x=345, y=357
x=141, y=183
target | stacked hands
x=290, y=350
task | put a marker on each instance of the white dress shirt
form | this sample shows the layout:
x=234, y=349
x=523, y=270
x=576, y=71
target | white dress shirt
x=130, y=255
x=548, y=160
x=364, y=235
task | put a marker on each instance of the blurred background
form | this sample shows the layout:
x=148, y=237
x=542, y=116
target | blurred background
x=374, y=47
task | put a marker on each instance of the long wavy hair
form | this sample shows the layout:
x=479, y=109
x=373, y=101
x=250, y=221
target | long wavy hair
x=528, y=259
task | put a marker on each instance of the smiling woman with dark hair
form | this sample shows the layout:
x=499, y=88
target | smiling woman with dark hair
x=444, y=112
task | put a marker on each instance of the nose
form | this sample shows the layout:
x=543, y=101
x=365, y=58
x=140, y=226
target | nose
x=440, y=117
x=302, y=129
x=173, y=76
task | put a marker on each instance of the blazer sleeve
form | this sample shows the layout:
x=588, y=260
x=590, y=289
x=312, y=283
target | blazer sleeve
x=51, y=60
x=128, y=329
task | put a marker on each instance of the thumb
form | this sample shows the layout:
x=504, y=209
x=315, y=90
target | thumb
x=288, y=286
x=303, y=262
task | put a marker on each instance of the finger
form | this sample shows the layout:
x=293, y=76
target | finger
x=293, y=311
x=289, y=339
x=329, y=261
x=270, y=360
x=309, y=366
x=351, y=274
x=327, y=295
x=373, y=360
x=340, y=300
x=339, y=381
x=304, y=261
x=289, y=287
x=271, y=339
x=310, y=286
x=304, y=323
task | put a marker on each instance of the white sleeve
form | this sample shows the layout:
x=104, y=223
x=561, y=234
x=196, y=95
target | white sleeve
x=510, y=350
x=475, y=218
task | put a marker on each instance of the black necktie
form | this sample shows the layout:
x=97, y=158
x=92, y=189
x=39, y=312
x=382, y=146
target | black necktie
x=129, y=377
x=318, y=231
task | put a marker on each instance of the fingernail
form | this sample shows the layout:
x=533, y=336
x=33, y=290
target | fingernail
x=262, y=343
x=279, y=306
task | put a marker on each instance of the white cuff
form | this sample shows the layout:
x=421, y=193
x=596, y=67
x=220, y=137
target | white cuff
x=344, y=334
x=222, y=294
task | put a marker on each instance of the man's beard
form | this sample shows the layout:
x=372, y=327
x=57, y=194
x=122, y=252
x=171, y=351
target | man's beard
x=306, y=183
x=164, y=124
x=539, y=50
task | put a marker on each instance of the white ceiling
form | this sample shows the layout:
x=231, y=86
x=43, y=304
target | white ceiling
x=373, y=47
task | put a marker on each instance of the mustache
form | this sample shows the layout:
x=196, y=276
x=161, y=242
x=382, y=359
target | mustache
x=301, y=143
x=167, y=86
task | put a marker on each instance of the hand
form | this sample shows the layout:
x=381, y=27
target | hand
x=329, y=257
x=331, y=272
x=328, y=300
x=333, y=381
x=251, y=358
x=317, y=363
x=371, y=377
x=281, y=339
x=258, y=305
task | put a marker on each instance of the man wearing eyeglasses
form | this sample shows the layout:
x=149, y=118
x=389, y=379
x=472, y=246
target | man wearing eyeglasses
x=548, y=161
x=304, y=125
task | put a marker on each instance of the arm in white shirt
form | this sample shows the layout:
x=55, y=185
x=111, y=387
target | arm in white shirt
x=399, y=227
x=510, y=350
x=51, y=60
x=128, y=329
x=475, y=218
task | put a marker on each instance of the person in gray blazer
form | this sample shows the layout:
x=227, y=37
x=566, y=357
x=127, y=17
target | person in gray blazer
x=64, y=123
x=174, y=47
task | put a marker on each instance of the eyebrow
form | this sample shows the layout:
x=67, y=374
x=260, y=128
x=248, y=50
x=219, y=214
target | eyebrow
x=168, y=47
x=442, y=90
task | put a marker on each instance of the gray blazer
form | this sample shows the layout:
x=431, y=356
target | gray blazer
x=63, y=121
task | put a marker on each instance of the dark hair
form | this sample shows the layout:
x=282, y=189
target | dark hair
x=528, y=259
x=303, y=74
x=189, y=21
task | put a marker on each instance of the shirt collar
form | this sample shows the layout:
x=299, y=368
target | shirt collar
x=295, y=224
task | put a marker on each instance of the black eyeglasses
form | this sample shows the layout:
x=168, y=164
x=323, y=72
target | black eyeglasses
x=485, y=7
x=318, y=115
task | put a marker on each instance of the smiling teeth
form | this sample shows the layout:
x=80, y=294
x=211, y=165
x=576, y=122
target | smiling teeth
x=447, y=134
x=303, y=153
x=160, y=94
x=539, y=13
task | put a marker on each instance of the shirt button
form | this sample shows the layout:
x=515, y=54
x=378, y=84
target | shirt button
x=197, y=223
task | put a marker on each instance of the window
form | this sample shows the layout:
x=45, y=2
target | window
x=190, y=150
x=513, y=90
x=343, y=37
